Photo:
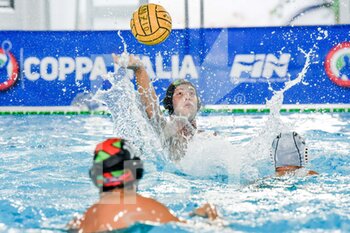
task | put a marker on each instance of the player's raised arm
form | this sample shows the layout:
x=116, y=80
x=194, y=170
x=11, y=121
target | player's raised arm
x=144, y=85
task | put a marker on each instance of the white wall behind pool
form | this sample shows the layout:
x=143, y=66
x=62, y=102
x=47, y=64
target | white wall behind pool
x=115, y=14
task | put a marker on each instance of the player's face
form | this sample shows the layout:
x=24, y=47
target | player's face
x=185, y=101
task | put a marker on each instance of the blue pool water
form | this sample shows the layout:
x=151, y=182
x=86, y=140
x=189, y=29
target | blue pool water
x=44, y=179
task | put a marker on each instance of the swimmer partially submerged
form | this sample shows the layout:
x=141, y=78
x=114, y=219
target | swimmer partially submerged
x=181, y=102
x=290, y=154
x=116, y=172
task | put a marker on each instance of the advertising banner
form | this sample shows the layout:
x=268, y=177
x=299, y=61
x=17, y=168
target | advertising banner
x=230, y=66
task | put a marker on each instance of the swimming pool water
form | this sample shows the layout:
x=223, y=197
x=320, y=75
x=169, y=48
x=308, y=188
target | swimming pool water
x=44, y=179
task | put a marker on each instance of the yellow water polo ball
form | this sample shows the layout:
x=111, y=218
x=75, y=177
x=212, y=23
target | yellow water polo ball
x=150, y=24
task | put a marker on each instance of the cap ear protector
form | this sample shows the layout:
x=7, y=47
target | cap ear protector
x=136, y=168
x=289, y=149
x=168, y=99
x=114, y=165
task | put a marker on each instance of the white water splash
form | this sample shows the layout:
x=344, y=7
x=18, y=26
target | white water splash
x=123, y=42
x=129, y=118
x=258, y=148
x=208, y=155
x=275, y=103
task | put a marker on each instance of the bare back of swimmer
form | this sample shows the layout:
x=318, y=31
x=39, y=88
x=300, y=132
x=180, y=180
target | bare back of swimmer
x=115, y=172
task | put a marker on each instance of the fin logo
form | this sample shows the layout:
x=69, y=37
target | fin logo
x=253, y=68
x=337, y=64
x=8, y=66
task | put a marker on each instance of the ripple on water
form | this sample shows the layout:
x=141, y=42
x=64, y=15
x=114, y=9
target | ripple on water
x=44, y=179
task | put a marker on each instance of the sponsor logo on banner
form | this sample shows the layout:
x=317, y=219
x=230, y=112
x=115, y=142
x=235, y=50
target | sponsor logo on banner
x=179, y=69
x=8, y=66
x=255, y=68
x=51, y=68
x=337, y=64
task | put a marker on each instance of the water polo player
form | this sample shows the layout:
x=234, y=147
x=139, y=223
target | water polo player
x=290, y=154
x=115, y=172
x=181, y=102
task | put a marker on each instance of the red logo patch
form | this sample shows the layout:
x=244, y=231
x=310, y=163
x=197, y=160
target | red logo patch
x=337, y=64
x=8, y=67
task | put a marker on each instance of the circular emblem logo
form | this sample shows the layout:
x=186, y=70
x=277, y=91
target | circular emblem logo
x=8, y=67
x=338, y=64
x=239, y=98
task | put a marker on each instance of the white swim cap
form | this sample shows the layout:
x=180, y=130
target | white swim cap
x=289, y=149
